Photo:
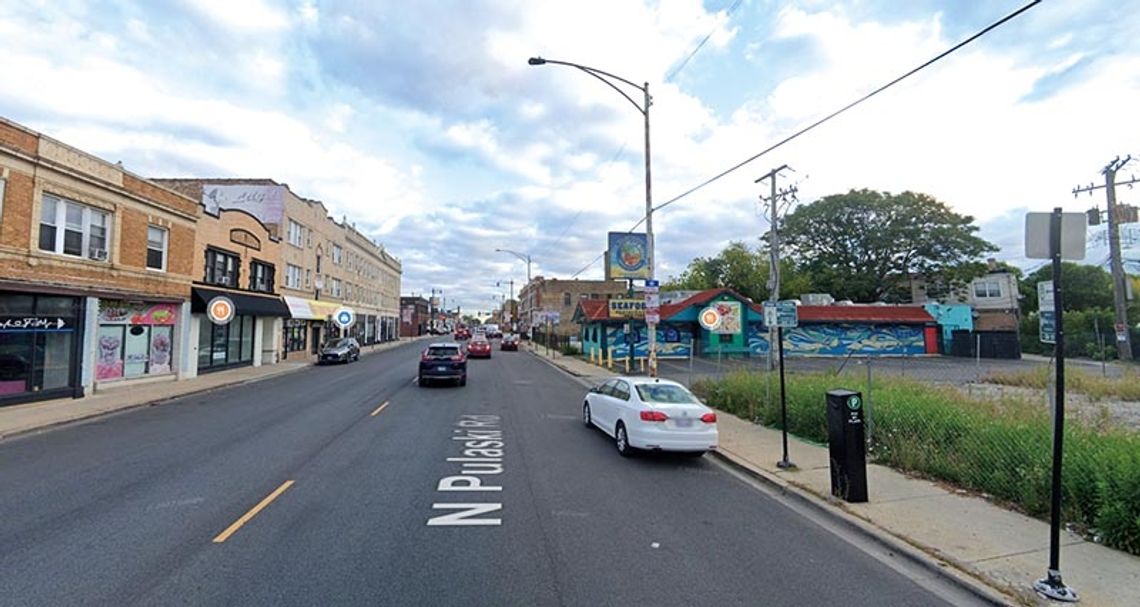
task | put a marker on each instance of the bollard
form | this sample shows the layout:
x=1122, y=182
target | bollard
x=626, y=360
x=610, y=359
x=642, y=364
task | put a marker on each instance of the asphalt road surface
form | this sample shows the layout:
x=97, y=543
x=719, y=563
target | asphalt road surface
x=307, y=489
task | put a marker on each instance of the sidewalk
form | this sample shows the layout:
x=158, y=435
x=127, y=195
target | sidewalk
x=1005, y=550
x=29, y=417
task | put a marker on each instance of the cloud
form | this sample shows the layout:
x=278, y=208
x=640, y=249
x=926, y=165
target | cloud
x=423, y=123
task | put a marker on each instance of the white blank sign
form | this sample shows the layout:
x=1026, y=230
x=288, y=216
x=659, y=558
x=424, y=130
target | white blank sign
x=1073, y=227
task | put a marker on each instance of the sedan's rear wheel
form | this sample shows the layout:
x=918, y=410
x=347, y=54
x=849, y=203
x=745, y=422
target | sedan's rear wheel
x=621, y=439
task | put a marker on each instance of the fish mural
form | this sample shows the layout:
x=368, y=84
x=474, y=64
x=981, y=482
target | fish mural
x=673, y=341
x=841, y=340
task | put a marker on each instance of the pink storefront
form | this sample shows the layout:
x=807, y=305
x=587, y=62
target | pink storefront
x=135, y=339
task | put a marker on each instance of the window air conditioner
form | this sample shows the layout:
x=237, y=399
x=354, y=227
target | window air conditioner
x=97, y=254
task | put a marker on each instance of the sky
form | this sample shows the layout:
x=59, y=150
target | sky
x=423, y=123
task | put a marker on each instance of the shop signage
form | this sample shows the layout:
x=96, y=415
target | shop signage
x=344, y=317
x=136, y=313
x=627, y=308
x=627, y=256
x=709, y=319
x=1047, y=315
x=220, y=310
x=34, y=323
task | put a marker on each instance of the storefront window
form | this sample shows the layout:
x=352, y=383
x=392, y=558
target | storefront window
x=295, y=335
x=37, y=344
x=134, y=339
x=225, y=345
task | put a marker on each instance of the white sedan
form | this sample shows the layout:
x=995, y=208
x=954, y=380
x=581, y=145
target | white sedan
x=651, y=413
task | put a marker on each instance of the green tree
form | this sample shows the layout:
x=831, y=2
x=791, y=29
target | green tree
x=866, y=245
x=741, y=269
x=1085, y=287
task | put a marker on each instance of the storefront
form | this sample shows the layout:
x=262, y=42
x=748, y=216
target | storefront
x=135, y=339
x=239, y=342
x=40, y=337
x=308, y=326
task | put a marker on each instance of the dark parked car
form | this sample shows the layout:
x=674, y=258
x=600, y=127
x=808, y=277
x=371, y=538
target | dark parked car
x=444, y=360
x=344, y=350
x=510, y=342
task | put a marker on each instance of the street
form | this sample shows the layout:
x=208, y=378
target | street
x=322, y=487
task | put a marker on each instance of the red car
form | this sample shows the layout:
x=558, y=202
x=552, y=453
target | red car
x=479, y=348
x=462, y=333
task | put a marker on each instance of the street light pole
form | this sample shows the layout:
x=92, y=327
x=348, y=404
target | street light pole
x=608, y=78
x=523, y=256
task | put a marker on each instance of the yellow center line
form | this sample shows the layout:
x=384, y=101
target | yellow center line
x=379, y=409
x=232, y=529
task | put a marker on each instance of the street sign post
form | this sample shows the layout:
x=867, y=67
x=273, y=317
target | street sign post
x=782, y=314
x=1065, y=239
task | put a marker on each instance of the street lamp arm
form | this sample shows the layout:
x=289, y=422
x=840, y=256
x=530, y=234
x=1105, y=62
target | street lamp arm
x=522, y=257
x=596, y=73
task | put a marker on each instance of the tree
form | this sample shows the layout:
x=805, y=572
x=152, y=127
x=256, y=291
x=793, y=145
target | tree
x=866, y=245
x=741, y=269
x=1086, y=287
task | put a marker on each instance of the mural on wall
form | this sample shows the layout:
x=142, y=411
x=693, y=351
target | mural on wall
x=842, y=339
x=265, y=202
x=134, y=338
x=672, y=341
x=730, y=315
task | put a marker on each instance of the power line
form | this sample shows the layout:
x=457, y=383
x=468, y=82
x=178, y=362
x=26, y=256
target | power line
x=832, y=115
x=843, y=109
x=677, y=70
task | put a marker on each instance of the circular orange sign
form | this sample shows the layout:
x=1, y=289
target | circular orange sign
x=710, y=318
x=220, y=310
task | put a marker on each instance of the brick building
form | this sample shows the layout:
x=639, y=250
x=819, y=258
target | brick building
x=553, y=294
x=236, y=257
x=95, y=271
x=414, y=313
x=322, y=264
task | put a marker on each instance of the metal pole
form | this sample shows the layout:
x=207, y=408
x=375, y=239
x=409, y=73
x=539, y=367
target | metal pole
x=651, y=327
x=784, y=463
x=692, y=346
x=1051, y=586
x=1123, y=346
x=867, y=404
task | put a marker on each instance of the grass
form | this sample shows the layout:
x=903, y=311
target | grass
x=1096, y=387
x=1001, y=447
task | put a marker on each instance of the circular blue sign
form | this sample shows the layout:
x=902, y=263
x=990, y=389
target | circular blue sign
x=344, y=317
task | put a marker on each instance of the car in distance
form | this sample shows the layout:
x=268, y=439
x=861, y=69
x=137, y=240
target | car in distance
x=344, y=350
x=510, y=342
x=479, y=347
x=492, y=331
x=655, y=414
x=443, y=361
x=462, y=333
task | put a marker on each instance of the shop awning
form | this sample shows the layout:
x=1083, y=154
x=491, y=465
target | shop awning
x=299, y=308
x=245, y=303
x=323, y=309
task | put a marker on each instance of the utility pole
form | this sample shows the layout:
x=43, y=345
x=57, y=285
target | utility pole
x=1123, y=334
x=774, y=199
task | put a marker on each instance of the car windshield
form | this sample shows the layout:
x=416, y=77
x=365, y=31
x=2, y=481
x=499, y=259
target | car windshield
x=344, y=343
x=665, y=393
x=443, y=351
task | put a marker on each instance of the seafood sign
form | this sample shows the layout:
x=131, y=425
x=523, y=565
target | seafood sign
x=842, y=339
x=627, y=256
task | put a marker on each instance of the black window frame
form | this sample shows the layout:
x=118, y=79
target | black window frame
x=268, y=280
x=209, y=275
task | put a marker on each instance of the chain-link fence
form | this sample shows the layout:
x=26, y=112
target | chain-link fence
x=981, y=425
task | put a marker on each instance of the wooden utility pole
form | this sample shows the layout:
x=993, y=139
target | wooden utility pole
x=774, y=247
x=1123, y=334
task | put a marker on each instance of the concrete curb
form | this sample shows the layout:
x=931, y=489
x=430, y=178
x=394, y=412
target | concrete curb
x=935, y=564
x=157, y=401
